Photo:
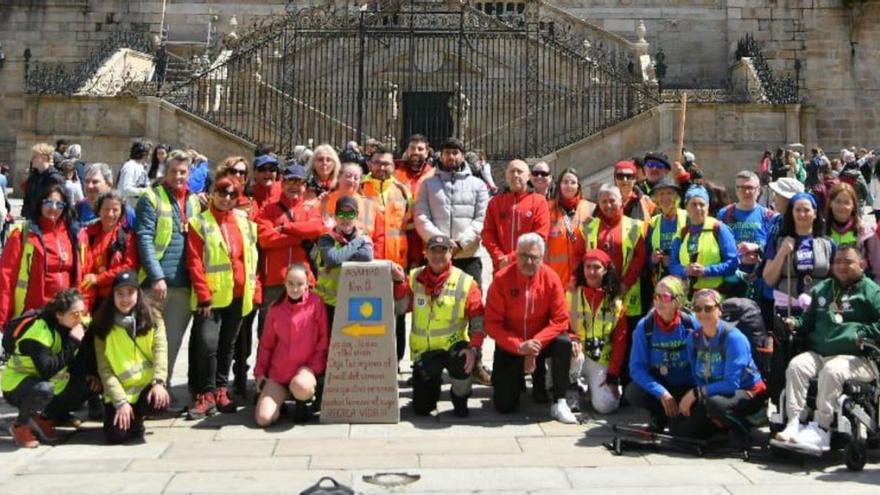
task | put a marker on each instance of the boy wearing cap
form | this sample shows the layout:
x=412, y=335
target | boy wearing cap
x=447, y=329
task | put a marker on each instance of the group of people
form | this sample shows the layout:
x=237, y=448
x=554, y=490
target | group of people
x=601, y=301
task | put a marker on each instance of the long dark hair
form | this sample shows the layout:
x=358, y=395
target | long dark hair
x=61, y=303
x=555, y=190
x=610, y=282
x=67, y=213
x=788, y=228
x=104, y=317
x=154, y=160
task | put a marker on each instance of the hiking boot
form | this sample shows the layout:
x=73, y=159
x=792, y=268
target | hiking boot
x=203, y=406
x=301, y=412
x=23, y=436
x=68, y=420
x=44, y=428
x=224, y=403
x=482, y=375
x=459, y=406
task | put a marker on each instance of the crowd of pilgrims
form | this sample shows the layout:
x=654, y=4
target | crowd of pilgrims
x=606, y=294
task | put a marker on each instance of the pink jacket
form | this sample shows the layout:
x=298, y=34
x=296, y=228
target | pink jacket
x=295, y=335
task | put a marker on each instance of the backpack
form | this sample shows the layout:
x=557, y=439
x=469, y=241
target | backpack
x=16, y=327
x=728, y=214
x=745, y=314
x=687, y=319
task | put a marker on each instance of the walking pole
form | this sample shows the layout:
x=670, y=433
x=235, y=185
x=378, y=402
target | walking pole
x=788, y=283
x=681, y=123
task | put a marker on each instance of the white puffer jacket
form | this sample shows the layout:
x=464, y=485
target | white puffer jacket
x=453, y=204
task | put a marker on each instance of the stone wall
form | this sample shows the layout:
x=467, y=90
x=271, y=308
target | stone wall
x=106, y=127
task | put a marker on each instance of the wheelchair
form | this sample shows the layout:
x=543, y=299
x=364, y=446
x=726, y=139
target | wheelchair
x=855, y=423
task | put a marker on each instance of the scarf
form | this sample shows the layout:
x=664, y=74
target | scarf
x=664, y=326
x=433, y=282
x=569, y=204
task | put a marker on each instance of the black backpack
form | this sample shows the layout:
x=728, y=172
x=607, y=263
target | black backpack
x=16, y=327
x=745, y=314
x=687, y=319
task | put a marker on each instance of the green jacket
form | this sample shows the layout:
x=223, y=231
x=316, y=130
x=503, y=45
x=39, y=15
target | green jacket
x=858, y=305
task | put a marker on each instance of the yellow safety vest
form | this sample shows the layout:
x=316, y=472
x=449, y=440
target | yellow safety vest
x=21, y=366
x=218, y=265
x=439, y=323
x=708, y=252
x=131, y=361
x=632, y=232
x=158, y=198
x=24, y=268
x=327, y=284
x=588, y=325
x=680, y=223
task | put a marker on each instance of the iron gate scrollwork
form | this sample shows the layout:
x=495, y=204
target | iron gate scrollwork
x=333, y=75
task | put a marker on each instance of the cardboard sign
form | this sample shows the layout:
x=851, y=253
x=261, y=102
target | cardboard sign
x=360, y=385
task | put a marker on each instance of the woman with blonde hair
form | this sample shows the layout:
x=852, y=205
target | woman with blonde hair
x=323, y=169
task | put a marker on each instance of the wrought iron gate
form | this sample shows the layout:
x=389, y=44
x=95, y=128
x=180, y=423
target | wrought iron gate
x=323, y=75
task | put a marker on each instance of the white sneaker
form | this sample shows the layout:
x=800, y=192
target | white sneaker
x=561, y=412
x=791, y=431
x=814, y=438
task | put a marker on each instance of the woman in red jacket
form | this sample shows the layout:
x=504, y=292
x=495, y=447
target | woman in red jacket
x=48, y=259
x=111, y=250
x=293, y=350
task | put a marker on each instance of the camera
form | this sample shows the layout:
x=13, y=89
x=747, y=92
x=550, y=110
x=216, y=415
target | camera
x=593, y=348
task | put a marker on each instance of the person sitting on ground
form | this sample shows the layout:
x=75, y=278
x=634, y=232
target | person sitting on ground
x=658, y=361
x=728, y=388
x=36, y=381
x=292, y=353
x=447, y=326
x=843, y=310
x=527, y=317
x=132, y=355
x=597, y=318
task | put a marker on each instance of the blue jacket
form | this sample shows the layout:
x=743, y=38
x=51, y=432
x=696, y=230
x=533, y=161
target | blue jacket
x=172, y=267
x=729, y=258
x=199, y=179
x=729, y=356
x=87, y=215
x=665, y=349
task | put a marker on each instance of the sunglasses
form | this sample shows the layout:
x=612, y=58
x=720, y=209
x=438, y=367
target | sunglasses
x=624, y=176
x=56, y=204
x=294, y=180
x=541, y=173
x=347, y=214
x=227, y=194
x=665, y=298
x=238, y=171
x=708, y=308
x=653, y=164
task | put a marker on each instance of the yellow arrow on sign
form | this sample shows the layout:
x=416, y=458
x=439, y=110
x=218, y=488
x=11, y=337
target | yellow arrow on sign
x=358, y=330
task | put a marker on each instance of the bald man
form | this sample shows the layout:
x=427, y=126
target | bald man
x=513, y=213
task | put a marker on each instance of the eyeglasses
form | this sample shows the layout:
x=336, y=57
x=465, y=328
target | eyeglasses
x=540, y=173
x=531, y=258
x=665, y=298
x=624, y=176
x=708, y=308
x=54, y=204
x=238, y=171
x=347, y=214
x=746, y=188
x=227, y=194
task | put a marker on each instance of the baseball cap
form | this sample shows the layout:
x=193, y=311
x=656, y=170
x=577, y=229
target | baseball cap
x=787, y=187
x=263, y=160
x=295, y=171
x=440, y=241
x=346, y=202
x=666, y=183
x=127, y=278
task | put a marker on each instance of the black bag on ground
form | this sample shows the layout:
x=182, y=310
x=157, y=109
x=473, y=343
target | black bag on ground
x=16, y=327
x=327, y=486
x=745, y=314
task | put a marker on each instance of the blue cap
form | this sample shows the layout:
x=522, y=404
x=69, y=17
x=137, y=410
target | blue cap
x=296, y=171
x=264, y=160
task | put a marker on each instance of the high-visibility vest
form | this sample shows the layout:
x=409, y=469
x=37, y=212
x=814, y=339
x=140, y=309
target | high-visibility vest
x=440, y=323
x=131, y=360
x=218, y=265
x=847, y=238
x=632, y=232
x=402, y=177
x=657, y=238
x=395, y=206
x=588, y=325
x=328, y=280
x=562, y=239
x=158, y=198
x=21, y=366
x=707, y=249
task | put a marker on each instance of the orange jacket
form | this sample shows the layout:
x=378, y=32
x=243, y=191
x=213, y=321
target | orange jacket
x=562, y=241
x=393, y=201
x=520, y=308
x=413, y=181
x=510, y=215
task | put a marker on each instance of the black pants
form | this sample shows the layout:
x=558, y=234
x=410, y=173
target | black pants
x=35, y=395
x=243, y=345
x=471, y=266
x=115, y=435
x=400, y=331
x=427, y=376
x=717, y=413
x=636, y=396
x=508, y=377
x=213, y=339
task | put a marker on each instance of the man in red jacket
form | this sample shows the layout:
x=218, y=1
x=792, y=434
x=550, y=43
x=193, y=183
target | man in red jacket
x=527, y=317
x=512, y=214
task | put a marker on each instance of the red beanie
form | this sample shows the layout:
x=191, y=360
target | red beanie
x=625, y=165
x=598, y=255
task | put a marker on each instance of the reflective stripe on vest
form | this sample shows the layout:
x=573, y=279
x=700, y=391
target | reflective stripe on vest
x=24, y=270
x=562, y=238
x=656, y=222
x=588, y=325
x=131, y=361
x=708, y=253
x=21, y=366
x=440, y=323
x=328, y=280
x=393, y=204
x=632, y=231
x=161, y=202
x=218, y=265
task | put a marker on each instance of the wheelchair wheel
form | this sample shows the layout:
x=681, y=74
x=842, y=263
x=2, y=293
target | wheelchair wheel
x=856, y=455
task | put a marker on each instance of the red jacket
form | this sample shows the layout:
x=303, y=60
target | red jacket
x=55, y=265
x=295, y=335
x=282, y=228
x=105, y=262
x=520, y=308
x=610, y=234
x=618, y=338
x=195, y=247
x=263, y=196
x=510, y=215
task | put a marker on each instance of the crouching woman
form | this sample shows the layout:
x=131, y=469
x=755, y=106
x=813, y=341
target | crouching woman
x=132, y=354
